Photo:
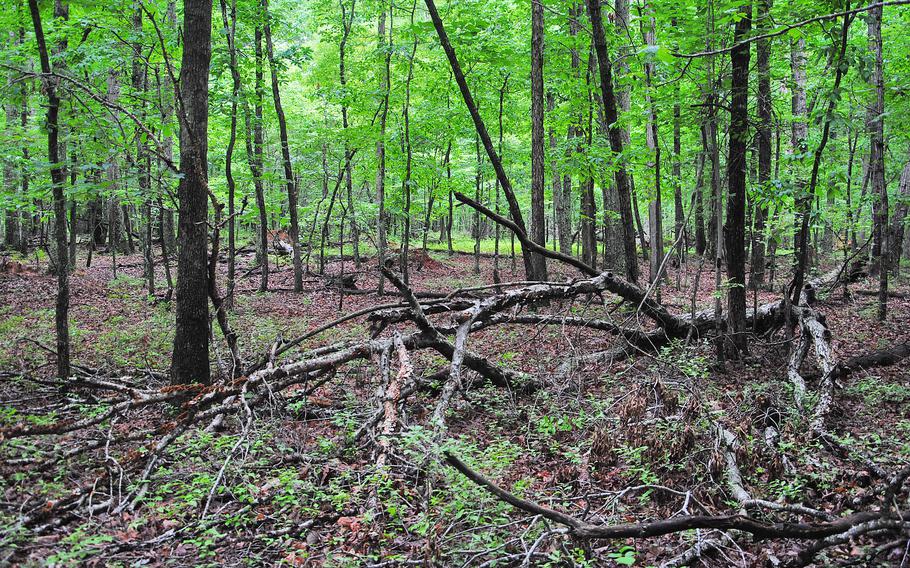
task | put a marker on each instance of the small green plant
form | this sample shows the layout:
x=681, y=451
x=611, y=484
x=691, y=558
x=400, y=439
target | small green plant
x=625, y=556
x=638, y=468
x=77, y=547
x=783, y=489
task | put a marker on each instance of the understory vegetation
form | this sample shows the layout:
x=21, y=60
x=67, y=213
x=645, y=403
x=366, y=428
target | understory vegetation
x=556, y=283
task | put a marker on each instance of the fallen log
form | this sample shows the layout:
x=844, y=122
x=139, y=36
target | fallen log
x=879, y=358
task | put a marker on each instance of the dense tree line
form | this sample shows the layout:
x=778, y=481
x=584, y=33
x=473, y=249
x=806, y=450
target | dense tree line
x=750, y=134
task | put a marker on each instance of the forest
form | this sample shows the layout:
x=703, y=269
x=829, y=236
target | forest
x=503, y=283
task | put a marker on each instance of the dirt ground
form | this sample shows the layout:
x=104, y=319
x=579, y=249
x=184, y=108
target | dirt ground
x=609, y=442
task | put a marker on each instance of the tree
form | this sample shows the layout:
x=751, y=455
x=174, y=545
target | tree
x=190, y=360
x=514, y=208
x=763, y=135
x=61, y=313
x=294, y=232
x=875, y=117
x=735, y=229
x=538, y=227
x=616, y=144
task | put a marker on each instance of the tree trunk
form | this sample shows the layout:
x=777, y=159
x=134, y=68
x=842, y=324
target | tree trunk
x=167, y=100
x=616, y=142
x=294, y=233
x=190, y=361
x=896, y=238
x=57, y=181
x=12, y=231
x=113, y=179
x=701, y=240
x=514, y=208
x=346, y=22
x=255, y=160
x=385, y=49
x=800, y=130
x=588, y=208
x=560, y=204
x=406, y=182
x=655, y=209
x=875, y=126
x=230, y=26
x=143, y=163
x=735, y=229
x=763, y=135
x=799, y=135
x=679, y=214
x=538, y=227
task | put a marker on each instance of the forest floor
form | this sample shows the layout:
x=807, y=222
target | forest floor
x=610, y=442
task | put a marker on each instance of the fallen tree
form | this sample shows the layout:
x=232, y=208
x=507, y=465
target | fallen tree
x=825, y=534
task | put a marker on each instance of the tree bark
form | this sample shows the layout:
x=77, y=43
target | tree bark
x=347, y=21
x=255, y=161
x=763, y=135
x=896, y=239
x=655, y=208
x=514, y=208
x=386, y=50
x=57, y=181
x=560, y=204
x=294, y=232
x=406, y=182
x=190, y=361
x=735, y=229
x=538, y=227
x=230, y=26
x=799, y=135
x=875, y=126
x=616, y=143
x=802, y=247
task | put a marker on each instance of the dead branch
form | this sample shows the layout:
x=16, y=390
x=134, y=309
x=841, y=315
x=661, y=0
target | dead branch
x=760, y=530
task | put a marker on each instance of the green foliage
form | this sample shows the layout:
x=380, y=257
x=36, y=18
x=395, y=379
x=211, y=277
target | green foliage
x=79, y=546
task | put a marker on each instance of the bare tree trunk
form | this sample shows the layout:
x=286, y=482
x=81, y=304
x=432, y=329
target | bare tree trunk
x=514, y=208
x=255, y=161
x=12, y=230
x=128, y=227
x=799, y=135
x=701, y=240
x=143, y=161
x=735, y=230
x=655, y=209
x=710, y=140
x=113, y=178
x=616, y=142
x=346, y=21
x=165, y=251
x=476, y=227
x=386, y=50
x=763, y=135
x=406, y=182
x=538, y=178
x=679, y=216
x=875, y=126
x=588, y=208
x=73, y=215
x=166, y=101
x=896, y=239
x=190, y=361
x=496, y=229
x=294, y=233
x=57, y=181
x=800, y=130
x=560, y=204
x=230, y=26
